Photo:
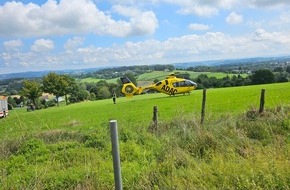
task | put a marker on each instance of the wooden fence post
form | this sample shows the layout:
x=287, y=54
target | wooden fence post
x=155, y=116
x=203, y=106
x=262, y=101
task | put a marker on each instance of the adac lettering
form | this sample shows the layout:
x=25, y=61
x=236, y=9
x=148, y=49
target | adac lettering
x=168, y=89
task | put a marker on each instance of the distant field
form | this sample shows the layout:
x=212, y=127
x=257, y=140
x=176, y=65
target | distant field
x=160, y=75
x=91, y=80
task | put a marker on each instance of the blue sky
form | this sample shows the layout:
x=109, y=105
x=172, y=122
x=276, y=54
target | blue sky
x=71, y=34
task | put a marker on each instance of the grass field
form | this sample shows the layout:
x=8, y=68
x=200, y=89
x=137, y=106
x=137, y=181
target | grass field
x=91, y=80
x=220, y=101
x=68, y=147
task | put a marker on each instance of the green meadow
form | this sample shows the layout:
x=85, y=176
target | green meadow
x=91, y=80
x=68, y=147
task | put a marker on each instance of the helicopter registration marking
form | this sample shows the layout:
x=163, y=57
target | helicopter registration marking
x=168, y=89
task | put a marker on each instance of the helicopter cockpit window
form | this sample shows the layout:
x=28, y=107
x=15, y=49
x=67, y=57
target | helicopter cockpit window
x=175, y=84
x=182, y=84
x=158, y=83
x=186, y=83
x=189, y=83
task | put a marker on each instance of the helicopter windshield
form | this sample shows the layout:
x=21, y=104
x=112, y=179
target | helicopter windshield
x=190, y=83
x=185, y=83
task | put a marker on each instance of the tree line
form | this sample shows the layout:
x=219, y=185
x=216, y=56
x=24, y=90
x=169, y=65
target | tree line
x=116, y=72
x=60, y=85
x=262, y=76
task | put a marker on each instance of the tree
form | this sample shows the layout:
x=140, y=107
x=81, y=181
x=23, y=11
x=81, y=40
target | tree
x=11, y=103
x=240, y=81
x=102, y=83
x=91, y=87
x=281, y=77
x=183, y=75
x=113, y=88
x=262, y=76
x=288, y=69
x=79, y=93
x=14, y=92
x=13, y=87
x=92, y=96
x=132, y=77
x=104, y=93
x=278, y=69
x=68, y=84
x=203, y=80
x=54, y=84
x=214, y=82
x=226, y=81
x=32, y=90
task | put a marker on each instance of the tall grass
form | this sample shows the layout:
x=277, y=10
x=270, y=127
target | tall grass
x=69, y=147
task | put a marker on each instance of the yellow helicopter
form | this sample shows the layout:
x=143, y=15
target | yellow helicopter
x=171, y=86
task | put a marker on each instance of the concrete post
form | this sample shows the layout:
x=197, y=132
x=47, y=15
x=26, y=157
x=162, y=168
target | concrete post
x=116, y=154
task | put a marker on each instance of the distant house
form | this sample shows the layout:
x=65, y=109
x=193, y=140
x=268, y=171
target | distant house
x=15, y=96
x=46, y=96
x=60, y=99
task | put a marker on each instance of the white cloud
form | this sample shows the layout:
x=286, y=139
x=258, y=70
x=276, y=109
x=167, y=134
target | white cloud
x=234, y=18
x=73, y=43
x=279, y=22
x=145, y=23
x=227, y=4
x=196, y=26
x=209, y=8
x=261, y=35
x=128, y=11
x=70, y=17
x=26, y=22
x=199, y=10
x=211, y=45
x=140, y=22
x=202, y=8
x=42, y=45
x=12, y=45
x=285, y=17
x=268, y=3
x=275, y=38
